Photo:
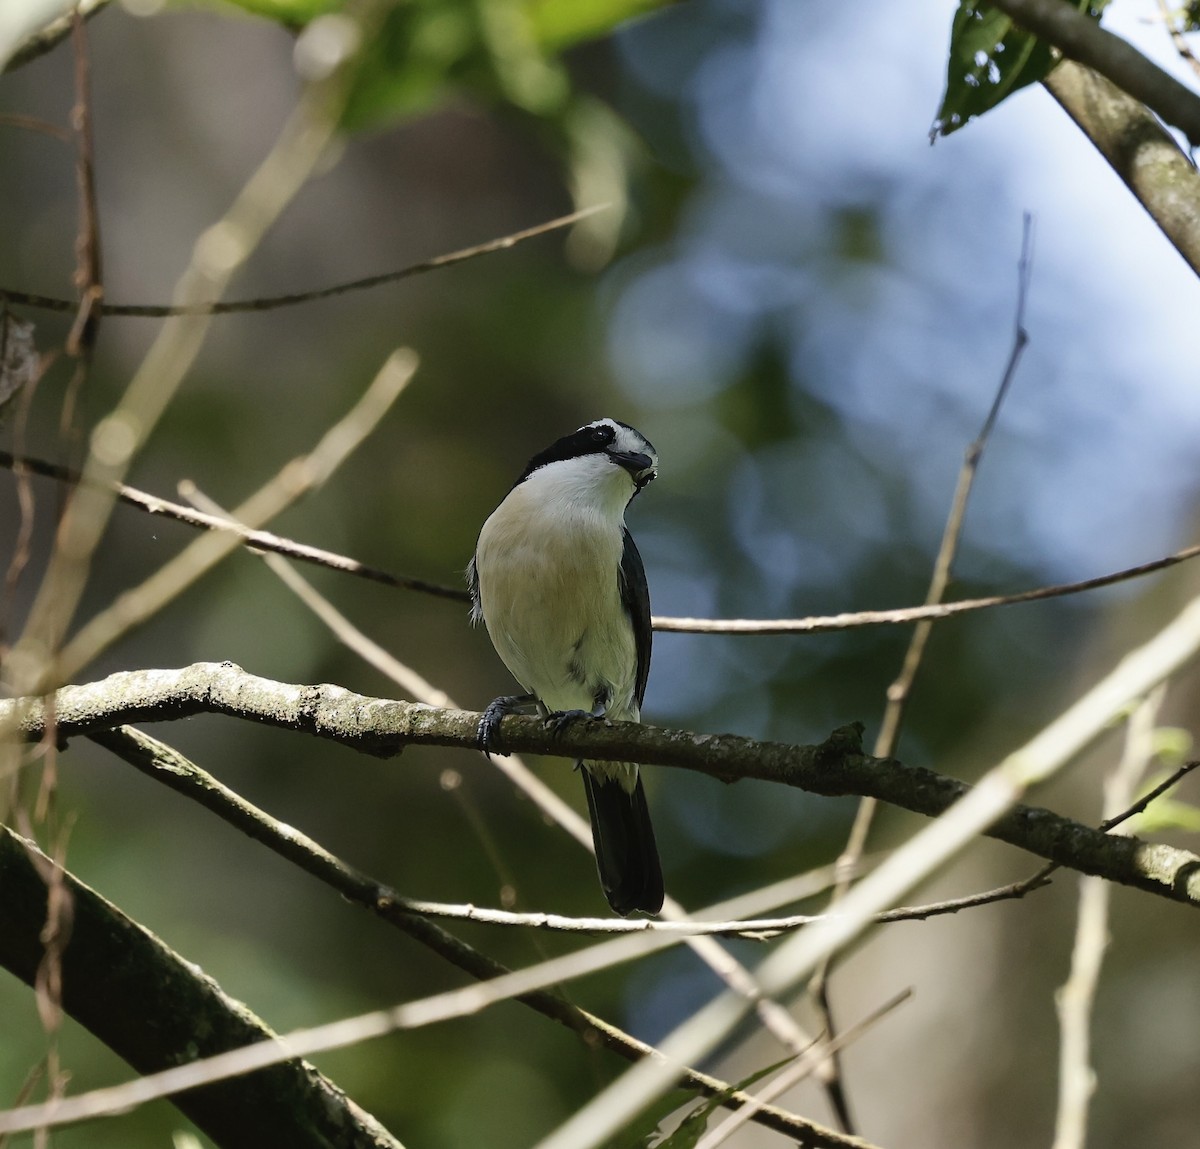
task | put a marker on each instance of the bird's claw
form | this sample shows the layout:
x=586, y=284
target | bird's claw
x=489, y=724
x=559, y=720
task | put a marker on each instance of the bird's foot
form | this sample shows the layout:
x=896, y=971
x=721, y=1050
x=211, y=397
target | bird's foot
x=489, y=725
x=559, y=720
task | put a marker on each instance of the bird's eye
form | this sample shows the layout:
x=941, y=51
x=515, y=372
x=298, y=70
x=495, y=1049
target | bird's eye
x=602, y=434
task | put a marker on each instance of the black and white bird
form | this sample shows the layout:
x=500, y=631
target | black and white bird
x=560, y=585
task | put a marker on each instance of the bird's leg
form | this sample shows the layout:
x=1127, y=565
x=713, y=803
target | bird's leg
x=489, y=724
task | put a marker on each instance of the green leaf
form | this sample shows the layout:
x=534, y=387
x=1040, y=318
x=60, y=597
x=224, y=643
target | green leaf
x=1166, y=813
x=990, y=58
x=1172, y=745
x=558, y=24
x=423, y=49
x=642, y=1131
x=689, y=1131
x=291, y=13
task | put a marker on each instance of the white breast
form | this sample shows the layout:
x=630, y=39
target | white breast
x=547, y=564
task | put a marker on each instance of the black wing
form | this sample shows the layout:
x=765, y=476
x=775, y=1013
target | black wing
x=635, y=597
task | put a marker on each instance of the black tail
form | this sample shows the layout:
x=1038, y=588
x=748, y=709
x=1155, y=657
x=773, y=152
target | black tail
x=625, y=851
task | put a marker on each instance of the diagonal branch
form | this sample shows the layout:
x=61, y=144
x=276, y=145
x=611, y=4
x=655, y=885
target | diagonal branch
x=113, y=962
x=1077, y=1079
x=1080, y=38
x=258, y=539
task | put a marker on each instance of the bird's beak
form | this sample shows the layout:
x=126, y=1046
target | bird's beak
x=640, y=467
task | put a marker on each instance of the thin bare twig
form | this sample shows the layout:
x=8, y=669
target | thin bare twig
x=815, y=624
x=898, y=692
x=80, y=346
x=273, y=302
x=25, y=501
x=258, y=540
x=89, y=277
x=900, y=616
x=900, y=689
x=34, y=124
x=346, y=632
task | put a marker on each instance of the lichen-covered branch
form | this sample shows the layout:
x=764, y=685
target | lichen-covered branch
x=383, y=727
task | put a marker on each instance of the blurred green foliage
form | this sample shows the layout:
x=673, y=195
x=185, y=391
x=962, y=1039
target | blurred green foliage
x=427, y=51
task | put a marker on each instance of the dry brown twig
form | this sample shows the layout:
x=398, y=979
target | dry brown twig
x=275, y=302
x=43, y=814
x=808, y=1063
